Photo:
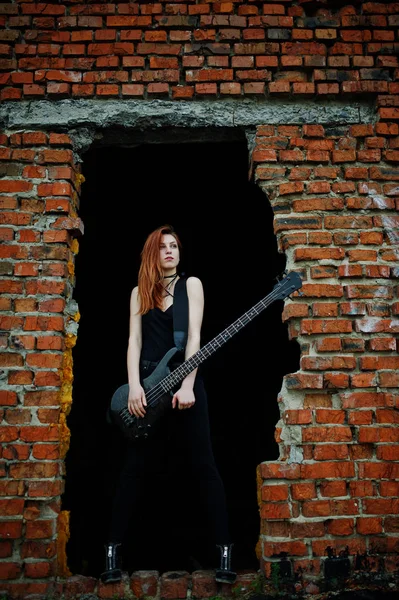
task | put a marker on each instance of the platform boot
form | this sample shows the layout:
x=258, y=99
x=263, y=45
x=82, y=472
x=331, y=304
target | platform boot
x=113, y=572
x=225, y=574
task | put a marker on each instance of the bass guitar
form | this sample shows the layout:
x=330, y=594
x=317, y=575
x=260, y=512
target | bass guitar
x=161, y=384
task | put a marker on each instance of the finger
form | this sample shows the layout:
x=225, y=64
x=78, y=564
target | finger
x=139, y=411
x=131, y=407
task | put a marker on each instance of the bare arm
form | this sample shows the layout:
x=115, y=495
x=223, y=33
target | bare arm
x=195, y=294
x=184, y=397
x=136, y=401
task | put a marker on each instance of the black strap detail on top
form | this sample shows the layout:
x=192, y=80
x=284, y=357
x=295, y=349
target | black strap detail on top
x=180, y=314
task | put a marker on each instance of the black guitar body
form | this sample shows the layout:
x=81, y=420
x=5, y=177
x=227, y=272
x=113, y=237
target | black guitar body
x=135, y=428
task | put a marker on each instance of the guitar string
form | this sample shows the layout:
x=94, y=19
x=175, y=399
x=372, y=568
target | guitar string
x=158, y=391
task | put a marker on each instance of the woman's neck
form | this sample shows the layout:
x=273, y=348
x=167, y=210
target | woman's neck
x=168, y=282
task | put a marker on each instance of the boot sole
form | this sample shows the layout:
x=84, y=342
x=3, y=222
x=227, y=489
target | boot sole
x=115, y=577
x=226, y=577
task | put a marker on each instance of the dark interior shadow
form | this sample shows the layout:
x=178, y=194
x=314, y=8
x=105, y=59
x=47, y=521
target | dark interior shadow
x=226, y=227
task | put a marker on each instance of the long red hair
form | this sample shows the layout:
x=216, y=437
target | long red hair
x=150, y=272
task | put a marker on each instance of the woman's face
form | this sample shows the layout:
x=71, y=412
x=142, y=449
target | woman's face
x=169, y=252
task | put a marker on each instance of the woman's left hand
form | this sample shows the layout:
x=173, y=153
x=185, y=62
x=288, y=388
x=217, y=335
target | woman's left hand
x=184, y=398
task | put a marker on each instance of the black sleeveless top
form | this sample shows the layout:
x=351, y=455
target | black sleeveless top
x=157, y=333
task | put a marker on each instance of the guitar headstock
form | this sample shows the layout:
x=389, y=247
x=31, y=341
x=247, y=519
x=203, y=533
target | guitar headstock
x=291, y=282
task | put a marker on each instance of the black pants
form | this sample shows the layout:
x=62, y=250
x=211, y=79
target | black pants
x=188, y=430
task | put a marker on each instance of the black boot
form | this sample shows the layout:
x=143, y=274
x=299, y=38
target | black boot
x=112, y=571
x=224, y=574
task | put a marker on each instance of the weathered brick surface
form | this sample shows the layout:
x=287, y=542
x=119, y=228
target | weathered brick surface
x=334, y=193
x=33, y=431
x=189, y=50
x=347, y=455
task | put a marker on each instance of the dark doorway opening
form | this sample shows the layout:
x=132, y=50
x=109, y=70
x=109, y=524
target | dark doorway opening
x=226, y=227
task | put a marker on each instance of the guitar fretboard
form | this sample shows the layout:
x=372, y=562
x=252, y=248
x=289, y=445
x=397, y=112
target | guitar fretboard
x=291, y=283
x=206, y=351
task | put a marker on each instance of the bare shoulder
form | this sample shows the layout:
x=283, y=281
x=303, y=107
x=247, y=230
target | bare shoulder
x=134, y=298
x=194, y=284
x=195, y=291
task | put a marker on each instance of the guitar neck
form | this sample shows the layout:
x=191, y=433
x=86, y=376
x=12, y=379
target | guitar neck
x=170, y=381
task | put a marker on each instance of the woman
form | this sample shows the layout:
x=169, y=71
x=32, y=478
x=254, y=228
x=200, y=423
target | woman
x=150, y=337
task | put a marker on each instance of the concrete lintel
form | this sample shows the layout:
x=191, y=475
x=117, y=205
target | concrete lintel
x=155, y=114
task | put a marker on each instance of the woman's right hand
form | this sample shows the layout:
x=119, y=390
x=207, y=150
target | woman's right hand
x=136, y=401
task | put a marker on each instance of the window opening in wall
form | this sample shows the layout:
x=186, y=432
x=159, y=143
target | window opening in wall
x=226, y=227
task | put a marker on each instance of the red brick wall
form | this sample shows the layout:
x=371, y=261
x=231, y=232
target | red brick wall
x=40, y=182
x=335, y=196
x=187, y=49
x=337, y=223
